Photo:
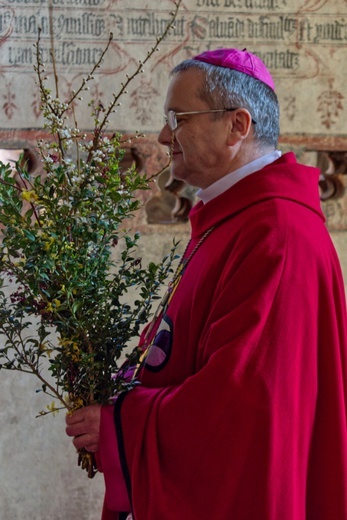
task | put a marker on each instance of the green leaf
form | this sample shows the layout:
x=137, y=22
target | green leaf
x=29, y=235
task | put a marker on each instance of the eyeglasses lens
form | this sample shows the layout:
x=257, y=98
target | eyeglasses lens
x=171, y=120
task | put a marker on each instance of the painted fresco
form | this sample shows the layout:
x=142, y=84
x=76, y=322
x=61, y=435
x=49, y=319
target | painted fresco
x=303, y=42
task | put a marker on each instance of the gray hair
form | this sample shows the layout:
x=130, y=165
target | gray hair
x=225, y=87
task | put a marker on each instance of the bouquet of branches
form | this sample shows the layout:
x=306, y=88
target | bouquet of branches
x=65, y=315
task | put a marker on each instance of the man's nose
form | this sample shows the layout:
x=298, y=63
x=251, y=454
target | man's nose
x=165, y=136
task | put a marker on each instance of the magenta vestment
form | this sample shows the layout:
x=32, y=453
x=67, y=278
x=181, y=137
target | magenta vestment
x=241, y=414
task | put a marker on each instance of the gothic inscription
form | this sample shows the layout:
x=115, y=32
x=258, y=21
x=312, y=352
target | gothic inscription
x=303, y=44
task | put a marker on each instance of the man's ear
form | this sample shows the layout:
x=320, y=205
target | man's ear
x=241, y=123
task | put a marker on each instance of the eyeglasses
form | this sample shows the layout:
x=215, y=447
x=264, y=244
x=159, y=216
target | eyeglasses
x=171, y=118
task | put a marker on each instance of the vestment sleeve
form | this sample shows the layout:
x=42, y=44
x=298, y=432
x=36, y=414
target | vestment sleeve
x=116, y=497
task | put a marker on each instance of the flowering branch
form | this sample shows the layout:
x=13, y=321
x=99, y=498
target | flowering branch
x=67, y=264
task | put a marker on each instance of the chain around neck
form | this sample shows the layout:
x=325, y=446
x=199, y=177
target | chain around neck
x=185, y=261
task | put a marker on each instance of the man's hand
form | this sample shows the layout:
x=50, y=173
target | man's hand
x=84, y=426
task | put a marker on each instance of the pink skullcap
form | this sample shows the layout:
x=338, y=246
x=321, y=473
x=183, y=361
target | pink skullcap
x=243, y=61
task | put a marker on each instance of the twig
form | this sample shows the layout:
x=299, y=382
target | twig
x=130, y=78
x=52, y=51
x=33, y=370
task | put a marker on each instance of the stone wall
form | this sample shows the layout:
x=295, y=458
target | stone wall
x=303, y=42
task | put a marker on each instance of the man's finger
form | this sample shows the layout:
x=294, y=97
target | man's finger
x=74, y=417
x=73, y=430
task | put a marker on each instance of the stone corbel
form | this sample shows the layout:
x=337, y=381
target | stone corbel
x=168, y=206
x=333, y=166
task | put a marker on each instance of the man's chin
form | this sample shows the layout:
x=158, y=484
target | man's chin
x=176, y=173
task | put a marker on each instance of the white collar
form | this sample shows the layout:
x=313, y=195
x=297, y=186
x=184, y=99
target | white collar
x=232, y=178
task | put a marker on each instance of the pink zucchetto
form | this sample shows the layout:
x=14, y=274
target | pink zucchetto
x=243, y=61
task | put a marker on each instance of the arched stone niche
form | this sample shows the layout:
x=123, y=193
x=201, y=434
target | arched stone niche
x=171, y=204
x=333, y=166
x=19, y=152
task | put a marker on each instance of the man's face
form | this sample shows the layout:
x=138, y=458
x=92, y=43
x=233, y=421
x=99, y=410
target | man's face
x=199, y=145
